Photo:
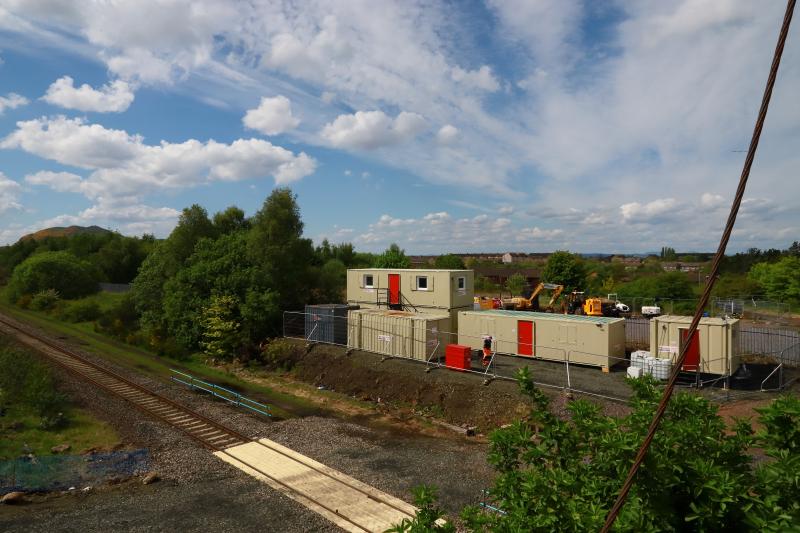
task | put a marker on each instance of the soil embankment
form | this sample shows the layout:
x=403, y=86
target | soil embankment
x=459, y=398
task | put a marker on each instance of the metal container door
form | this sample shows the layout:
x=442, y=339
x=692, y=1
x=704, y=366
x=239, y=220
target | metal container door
x=692, y=361
x=525, y=338
x=394, y=289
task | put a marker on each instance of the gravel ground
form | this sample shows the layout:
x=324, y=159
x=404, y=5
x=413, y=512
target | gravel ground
x=198, y=491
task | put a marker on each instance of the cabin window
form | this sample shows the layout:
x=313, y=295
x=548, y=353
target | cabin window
x=422, y=283
x=368, y=281
x=462, y=282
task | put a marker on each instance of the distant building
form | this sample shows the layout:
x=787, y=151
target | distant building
x=673, y=266
x=508, y=258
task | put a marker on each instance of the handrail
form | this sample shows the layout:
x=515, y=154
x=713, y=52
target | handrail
x=212, y=388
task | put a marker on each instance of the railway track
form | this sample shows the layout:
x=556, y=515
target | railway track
x=324, y=490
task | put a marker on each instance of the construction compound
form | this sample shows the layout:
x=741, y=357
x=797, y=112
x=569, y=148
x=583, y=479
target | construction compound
x=397, y=333
x=714, y=349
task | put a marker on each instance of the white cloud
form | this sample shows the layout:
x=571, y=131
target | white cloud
x=481, y=78
x=711, y=201
x=123, y=165
x=9, y=194
x=12, y=101
x=637, y=212
x=437, y=231
x=114, y=97
x=348, y=172
x=368, y=130
x=447, y=134
x=272, y=116
x=622, y=103
x=58, y=181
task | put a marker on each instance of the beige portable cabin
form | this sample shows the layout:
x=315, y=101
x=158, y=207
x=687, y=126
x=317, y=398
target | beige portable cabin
x=714, y=349
x=411, y=289
x=587, y=340
x=397, y=333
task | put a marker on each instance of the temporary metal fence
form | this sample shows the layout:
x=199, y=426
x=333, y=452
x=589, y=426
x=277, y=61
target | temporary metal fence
x=62, y=472
x=554, y=367
x=222, y=393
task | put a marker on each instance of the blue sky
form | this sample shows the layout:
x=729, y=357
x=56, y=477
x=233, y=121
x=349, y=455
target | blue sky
x=525, y=125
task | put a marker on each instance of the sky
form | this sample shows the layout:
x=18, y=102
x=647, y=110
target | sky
x=454, y=126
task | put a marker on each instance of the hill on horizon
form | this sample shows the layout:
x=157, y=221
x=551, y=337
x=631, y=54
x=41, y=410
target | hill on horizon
x=63, y=232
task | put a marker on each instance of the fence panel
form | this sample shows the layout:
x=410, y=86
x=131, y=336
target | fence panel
x=774, y=342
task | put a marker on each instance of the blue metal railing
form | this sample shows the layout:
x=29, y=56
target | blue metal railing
x=221, y=392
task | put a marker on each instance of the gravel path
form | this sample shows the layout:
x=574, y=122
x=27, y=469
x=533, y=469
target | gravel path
x=198, y=491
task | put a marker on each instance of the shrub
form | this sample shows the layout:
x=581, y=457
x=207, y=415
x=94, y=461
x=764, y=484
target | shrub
x=280, y=354
x=24, y=380
x=61, y=271
x=24, y=301
x=81, y=311
x=120, y=321
x=44, y=300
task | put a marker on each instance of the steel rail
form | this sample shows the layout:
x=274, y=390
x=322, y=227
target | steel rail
x=190, y=422
x=181, y=417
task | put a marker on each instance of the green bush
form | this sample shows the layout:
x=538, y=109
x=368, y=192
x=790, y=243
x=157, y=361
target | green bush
x=44, y=300
x=698, y=475
x=81, y=311
x=23, y=380
x=280, y=354
x=121, y=320
x=60, y=271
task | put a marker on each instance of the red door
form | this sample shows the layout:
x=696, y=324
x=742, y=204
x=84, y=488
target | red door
x=525, y=337
x=692, y=361
x=394, y=289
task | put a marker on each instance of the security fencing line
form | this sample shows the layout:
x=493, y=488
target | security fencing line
x=502, y=364
x=395, y=342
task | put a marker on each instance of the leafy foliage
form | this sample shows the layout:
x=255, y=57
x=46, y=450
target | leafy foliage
x=429, y=517
x=81, y=311
x=221, y=328
x=780, y=280
x=61, y=271
x=26, y=381
x=393, y=257
x=45, y=300
x=263, y=263
x=565, y=269
x=563, y=475
x=668, y=254
x=516, y=283
x=449, y=262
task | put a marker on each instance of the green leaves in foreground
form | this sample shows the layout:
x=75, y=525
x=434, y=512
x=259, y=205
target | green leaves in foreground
x=699, y=474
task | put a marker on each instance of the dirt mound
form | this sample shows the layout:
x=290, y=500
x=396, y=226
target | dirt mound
x=456, y=397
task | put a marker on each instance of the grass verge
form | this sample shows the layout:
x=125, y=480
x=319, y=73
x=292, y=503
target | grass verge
x=20, y=433
x=140, y=360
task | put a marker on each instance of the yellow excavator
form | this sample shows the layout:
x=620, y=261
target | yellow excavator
x=580, y=305
x=531, y=303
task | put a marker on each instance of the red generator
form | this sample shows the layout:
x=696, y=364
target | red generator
x=457, y=357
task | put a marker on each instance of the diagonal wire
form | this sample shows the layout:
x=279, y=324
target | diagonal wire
x=751, y=152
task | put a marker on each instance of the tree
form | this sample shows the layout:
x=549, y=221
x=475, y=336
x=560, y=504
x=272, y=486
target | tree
x=281, y=256
x=668, y=254
x=515, y=283
x=393, y=257
x=449, y=262
x=69, y=276
x=221, y=328
x=230, y=220
x=565, y=269
x=781, y=280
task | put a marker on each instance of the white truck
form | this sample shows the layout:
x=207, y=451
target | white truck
x=650, y=311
